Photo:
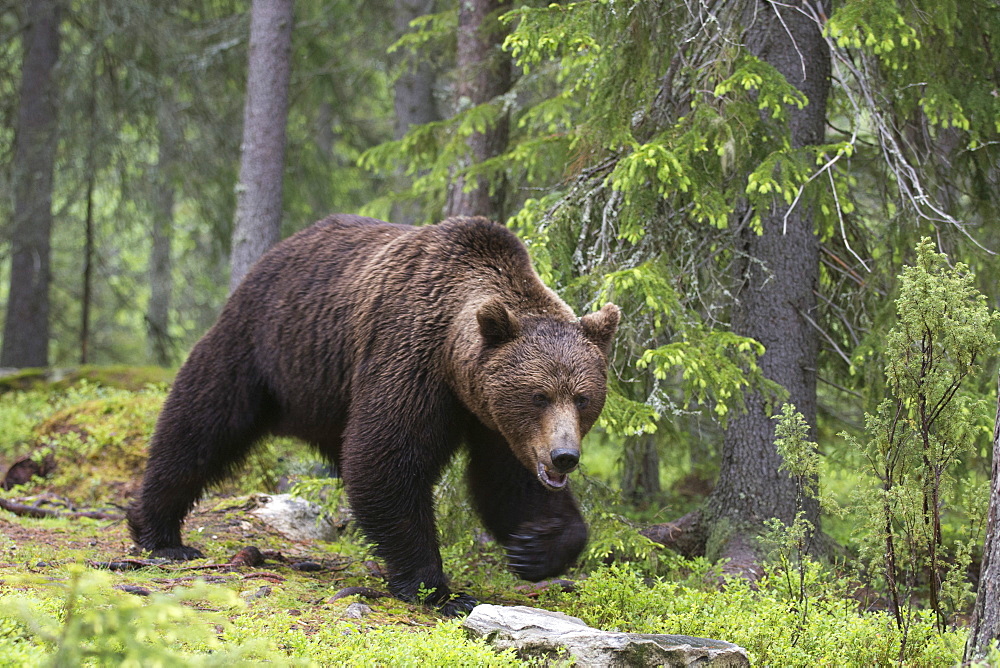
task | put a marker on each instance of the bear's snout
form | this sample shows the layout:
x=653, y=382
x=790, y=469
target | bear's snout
x=565, y=459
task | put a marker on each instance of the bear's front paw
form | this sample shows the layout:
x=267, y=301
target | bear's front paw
x=458, y=604
x=527, y=559
x=544, y=549
x=177, y=553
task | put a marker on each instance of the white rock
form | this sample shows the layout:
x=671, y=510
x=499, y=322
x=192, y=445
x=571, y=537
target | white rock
x=532, y=632
x=357, y=610
x=295, y=518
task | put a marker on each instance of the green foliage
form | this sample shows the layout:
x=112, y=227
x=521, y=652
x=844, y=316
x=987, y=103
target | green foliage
x=715, y=367
x=799, y=456
x=799, y=615
x=775, y=94
x=790, y=544
x=99, y=625
x=765, y=620
x=19, y=413
x=919, y=434
x=443, y=644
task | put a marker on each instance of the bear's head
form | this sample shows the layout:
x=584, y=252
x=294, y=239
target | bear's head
x=544, y=381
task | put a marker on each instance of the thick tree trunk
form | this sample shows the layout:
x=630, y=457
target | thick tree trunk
x=985, y=623
x=484, y=73
x=779, y=279
x=257, y=223
x=26, y=329
x=160, y=274
x=414, y=88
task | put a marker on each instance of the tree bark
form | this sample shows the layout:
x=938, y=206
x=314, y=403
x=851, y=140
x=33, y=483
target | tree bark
x=779, y=279
x=641, y=470
x=160, y=265
x=985, y=623
x=26, y=329
x=413, y=90
x=257, y=223
x=484, y=73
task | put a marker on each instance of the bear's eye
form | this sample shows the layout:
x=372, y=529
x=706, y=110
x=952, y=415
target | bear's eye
x=581, y=401
x=539, y=400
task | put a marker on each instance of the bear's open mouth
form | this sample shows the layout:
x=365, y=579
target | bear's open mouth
x=551, y=479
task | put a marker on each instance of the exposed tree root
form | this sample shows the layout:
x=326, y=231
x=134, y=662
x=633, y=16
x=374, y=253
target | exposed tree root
x=689, y=536
x=685, y=535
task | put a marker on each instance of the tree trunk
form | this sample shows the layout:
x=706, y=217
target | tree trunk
x=483, y=74
x=779, y=279
x=257, y=223
x=26, y=329
x=414, y=89
x=160, y=266
x=641, y=470
x=88, y=224
x=985, y=623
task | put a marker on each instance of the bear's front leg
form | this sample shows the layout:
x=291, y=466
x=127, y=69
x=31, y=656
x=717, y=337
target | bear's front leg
x=389, y=470
x=542, y=530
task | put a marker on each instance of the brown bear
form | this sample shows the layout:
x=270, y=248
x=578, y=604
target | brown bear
x=388, y=347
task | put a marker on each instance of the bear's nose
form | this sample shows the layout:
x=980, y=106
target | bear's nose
x=565, y=460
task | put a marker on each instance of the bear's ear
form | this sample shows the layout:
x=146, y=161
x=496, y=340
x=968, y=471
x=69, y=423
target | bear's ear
x=600, y=327
x=496, y=324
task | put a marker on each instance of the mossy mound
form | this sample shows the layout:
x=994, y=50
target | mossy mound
x=117, y=376
x=96, y=449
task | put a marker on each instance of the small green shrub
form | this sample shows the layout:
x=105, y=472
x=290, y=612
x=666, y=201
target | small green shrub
x=444, y=644
x=765, y=621
x=19, y=413
x=94, y=624
x=920, y=434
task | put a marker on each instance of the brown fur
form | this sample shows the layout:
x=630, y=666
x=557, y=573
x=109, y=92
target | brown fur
x=387, y=347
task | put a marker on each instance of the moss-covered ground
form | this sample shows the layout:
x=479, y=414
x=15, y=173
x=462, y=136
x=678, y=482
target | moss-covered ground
x=74, y=592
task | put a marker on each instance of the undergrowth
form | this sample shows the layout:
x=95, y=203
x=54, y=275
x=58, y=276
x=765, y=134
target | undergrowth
x=54, y=610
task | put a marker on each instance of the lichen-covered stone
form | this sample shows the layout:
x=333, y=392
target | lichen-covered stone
x=532, y=632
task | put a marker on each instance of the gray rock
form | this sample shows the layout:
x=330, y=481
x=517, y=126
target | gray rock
x=541, y=633
x=295, y=518
x=357, y=610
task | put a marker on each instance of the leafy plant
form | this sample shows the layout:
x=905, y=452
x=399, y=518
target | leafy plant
x=764, y=619
x=791, y=543
x=922, y=430
x=97, y=624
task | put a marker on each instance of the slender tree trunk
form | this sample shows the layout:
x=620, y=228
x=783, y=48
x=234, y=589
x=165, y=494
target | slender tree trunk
x=641, y=470
x=88, y=224
x=484, y=73
x=88, y=269
x=985, y=623
x=778, y=280
x=26, y=329
x=160, y=265
x=414, y=89
x=257, y=223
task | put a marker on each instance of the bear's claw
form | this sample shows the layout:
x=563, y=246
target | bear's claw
x=458, y=604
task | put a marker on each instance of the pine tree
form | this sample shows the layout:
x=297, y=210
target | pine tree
x=257, y=226
x=26, y=328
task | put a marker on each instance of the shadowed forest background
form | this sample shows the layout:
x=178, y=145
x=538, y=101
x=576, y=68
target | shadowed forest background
x=795, y=204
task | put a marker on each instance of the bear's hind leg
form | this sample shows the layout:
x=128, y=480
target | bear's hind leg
x=202, y=433
x=542, y=531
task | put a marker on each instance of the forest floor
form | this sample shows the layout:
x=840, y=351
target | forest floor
x=74, y=590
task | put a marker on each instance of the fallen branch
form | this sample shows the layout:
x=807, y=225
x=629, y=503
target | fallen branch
x=24, y=510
